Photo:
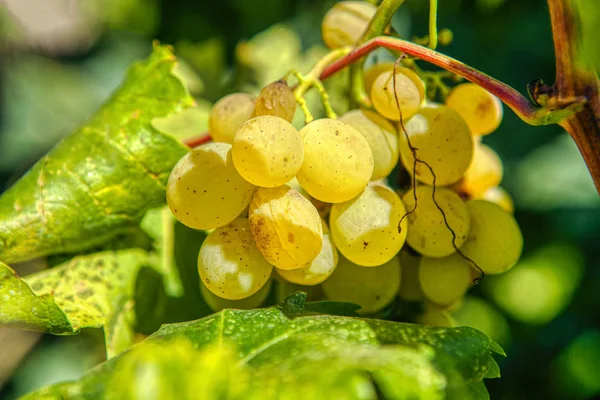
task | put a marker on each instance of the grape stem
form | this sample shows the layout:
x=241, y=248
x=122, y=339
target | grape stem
x=198, y=140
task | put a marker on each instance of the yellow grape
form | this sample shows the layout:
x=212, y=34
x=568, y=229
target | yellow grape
x=371, y=288
x=217, y=303
x=484, y=172
x=374, y=71
x=319, y=269
x=345, y=23
x=442, y=140
x=481, y=110
x=284, y=288
x=382, y=138
x=365, y=229
x=338, y=161
x=230, y=264
x=228, y=114
x=444, y=280
x=204, y=190
x=427, y=232
x=322, y=207
x=410, y=90
x=276, y=99
x=495, y=241
x=499, y=195
x=286, y=227
x=410, y=287
x=267, y=151
x=435, y=316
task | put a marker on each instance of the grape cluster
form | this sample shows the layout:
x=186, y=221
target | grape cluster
x=314, y=204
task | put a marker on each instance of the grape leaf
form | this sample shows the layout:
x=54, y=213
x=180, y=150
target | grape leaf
x=100, y=180
x=90, y=291
x=289, y=352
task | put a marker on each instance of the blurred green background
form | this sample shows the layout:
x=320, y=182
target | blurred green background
x=60, y=59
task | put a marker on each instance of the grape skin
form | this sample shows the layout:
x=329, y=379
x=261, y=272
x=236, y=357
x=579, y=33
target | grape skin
x=499, y=195
x=495, y=241
x=204, y=190
x=338, y=161
x=444, y=280
x=442, y=140
x=286, y=227
x=427, y=232
x=228, y=114
x=229, y=263
x=365, y=229
x=410, y=91
x=382, y=138
x=374, y=71
x=267, y=151
x=217, y=303
x=371, y=288
x=410, y=287
x=345, y=23
x=276, y=99
x=481, y=110
x=319, y=269
x=484, y=172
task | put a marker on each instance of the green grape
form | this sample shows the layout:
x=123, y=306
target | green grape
x=230, y=264
x=444, y=280
x=484, y=172
x=374, y=71
x=204, y=190
x=410, y=91
x=286, y=227
x=480, y=109
x=319, y=269
x=435, y=316
x=228, y=114
x=284, y=288
x=495, y=241
x=499, y=195
x=382, y=138
x=365, y=229
x=276, y=99
x=345, y=23
x=410, y=287
x=442, y=140
x=371, y=288
x=267, y=151
x=427, y=232
x=338, y=161
x=217, y=303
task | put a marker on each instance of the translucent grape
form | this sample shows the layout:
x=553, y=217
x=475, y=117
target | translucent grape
x=204, y=190
x=374, y=71
x=444, y=280
x=365, y=229
x=382, y=138
x=284, y=288
x=484, y=172
x=217, y=303
x=319, y=269
x=427, y=232
x=371, y=288
x=286, y=227
x=495, y=241
x=481, y=110
x=267, y=151
x=276, y=99
x=345, y=23
x=228, y=114
x=442, y=140
x=410, y=287
x=409, y=88
x=230, y=264
x=338, y=161
x=499, y=195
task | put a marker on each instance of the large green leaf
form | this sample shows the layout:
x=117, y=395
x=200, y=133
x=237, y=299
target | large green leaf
x=287, y=352
x=101, y=179
x=91, y=291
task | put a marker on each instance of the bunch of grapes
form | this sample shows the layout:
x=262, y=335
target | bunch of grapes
x=314, y=204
